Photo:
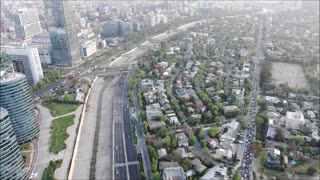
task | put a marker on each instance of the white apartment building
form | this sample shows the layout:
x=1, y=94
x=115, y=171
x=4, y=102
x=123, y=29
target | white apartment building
x=25, y=60
x=294, y=120
x=88, y=48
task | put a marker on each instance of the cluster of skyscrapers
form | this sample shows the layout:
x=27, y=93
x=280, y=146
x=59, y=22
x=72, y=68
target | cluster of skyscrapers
x=18, y=120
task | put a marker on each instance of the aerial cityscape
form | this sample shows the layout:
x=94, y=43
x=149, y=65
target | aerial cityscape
x=159, y=90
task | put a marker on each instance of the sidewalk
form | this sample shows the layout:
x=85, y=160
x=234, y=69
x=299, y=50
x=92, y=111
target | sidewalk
x=44, y=156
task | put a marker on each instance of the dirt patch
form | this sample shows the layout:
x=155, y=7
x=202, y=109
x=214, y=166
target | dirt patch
x=291, y=73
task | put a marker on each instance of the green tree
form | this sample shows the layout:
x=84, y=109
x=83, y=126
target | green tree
x=154, y=164
x=145, y=126
x=164, y=118
x=186, y=164
x=174, y=143
x=280, y=136
x=192, y=140
x=203, y=143
x=156, y=175
x=201, y=135
x=168, y=140
x=263, y=157
x=163, y=132
x=213, y=131
x=236, y=176
x=311, y=170
x=299, y=140
x=68, y=97
x=152, y=151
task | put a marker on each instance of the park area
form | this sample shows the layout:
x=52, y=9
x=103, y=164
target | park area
x=303, y=167
x=59, y=134
x=48, y=173
x=291, y=73
x=60, y=108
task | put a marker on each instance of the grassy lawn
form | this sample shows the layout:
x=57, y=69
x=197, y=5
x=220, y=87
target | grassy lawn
x=48, y=173
x=302, y=169
x=24, y=147
x=59, y=134
x=60, y=108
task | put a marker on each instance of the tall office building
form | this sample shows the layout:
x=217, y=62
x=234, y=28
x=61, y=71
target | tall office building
x=25, y=60
x=12, y=165
x=27, y=23
x=63, y=34
x=16, y=99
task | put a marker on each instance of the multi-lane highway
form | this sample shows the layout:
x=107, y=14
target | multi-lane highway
x=250, y=132
x=125, y=155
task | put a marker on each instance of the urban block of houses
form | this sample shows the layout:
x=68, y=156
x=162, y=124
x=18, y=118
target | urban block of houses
x=174, y=173
x=218, y=172
x=154, y=112
x=146, y=85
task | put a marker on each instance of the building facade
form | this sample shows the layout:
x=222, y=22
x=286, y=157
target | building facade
x=27, y=23
x=88, y=48
x=63, y=33
x=12, y=165
x=25, y=60
x=16, y=99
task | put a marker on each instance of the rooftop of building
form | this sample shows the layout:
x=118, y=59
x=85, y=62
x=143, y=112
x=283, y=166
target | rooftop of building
x=295, y=115
x=8, y=77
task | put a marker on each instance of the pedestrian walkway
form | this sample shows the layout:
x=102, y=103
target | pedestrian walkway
x=44, y=156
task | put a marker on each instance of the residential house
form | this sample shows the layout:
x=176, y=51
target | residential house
x=174, y=173
x=222, y=154
x=174, y=120
x=272, y=100
x=185, y=152
x=237, y=96
x=296, y=155
x=163, y=165
x=161, y=66
x=162, y=152
x=198, y=166
x=146, y=85
x=294, y=120
x=183, y=140
x=231, y=132
x=274, y=157
x=181, y=92
x=154, y=112
x=213, y=143
x=218, y=172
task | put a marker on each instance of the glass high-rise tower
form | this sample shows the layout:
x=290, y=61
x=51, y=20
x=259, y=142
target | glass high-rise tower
x=63, y=34
x=11, y=161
